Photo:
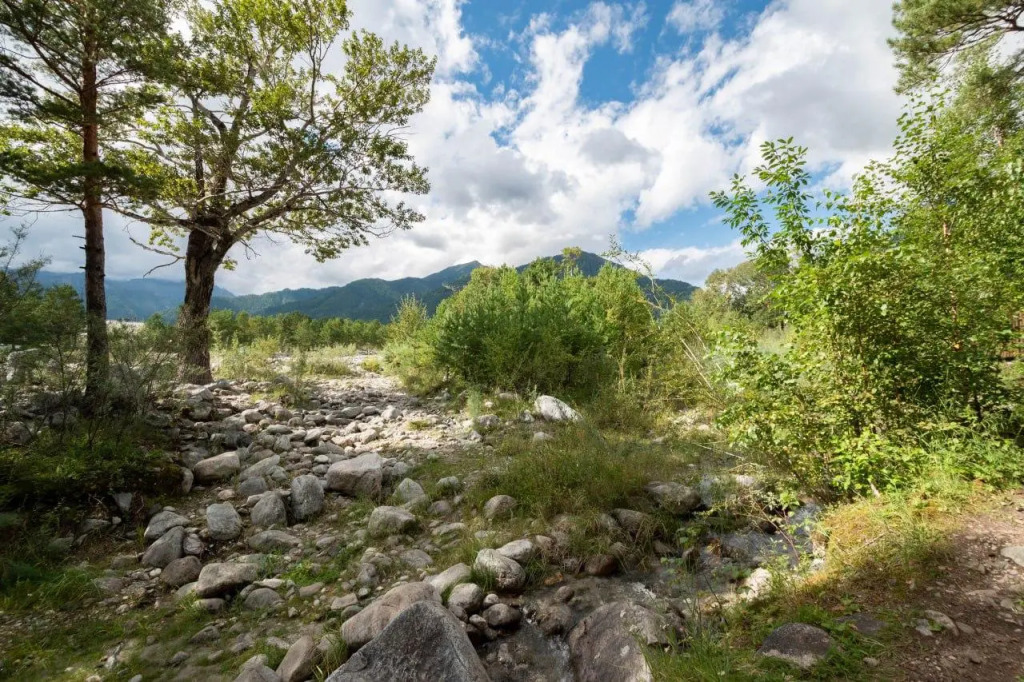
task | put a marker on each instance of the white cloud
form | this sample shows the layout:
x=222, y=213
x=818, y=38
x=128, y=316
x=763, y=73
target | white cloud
x=687, y=16
x=693, y=264
x=528, y=167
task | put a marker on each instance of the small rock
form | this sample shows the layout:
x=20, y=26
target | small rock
x=797, y=643
x=554, y=410
x=502, y=616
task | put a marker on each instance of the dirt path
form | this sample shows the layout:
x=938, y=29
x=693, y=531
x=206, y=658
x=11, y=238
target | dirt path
x=982, y=593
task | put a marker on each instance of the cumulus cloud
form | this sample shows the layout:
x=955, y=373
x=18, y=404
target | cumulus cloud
x=528, y=166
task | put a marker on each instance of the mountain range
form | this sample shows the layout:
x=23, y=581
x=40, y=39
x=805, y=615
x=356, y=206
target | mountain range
x=363, y=299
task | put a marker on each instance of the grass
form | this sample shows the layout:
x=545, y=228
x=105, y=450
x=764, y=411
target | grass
x=329, y=362
x=373, y=364
x=579, y=471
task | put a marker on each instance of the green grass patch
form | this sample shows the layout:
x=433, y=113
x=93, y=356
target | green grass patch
x=577, y=472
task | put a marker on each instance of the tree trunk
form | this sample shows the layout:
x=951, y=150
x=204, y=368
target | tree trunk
x=202, y=258
x=97, y=362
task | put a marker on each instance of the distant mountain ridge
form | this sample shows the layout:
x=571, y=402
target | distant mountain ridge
x=363, y=299
x=129, y=299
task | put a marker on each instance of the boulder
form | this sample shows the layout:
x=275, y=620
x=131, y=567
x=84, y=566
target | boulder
x=674, y=498
x=181, y=571
x=223, y=522
x=425, y=643
x=307, y=499
x=371, y=621
x=508, y=575
x=257, y=673
x=262, y=599
x=359, y=476
x=219, y=579
x=269, y=511
x=390, y=521
x=298, y=663
x=607, y=645
x=467, y=596
x=161, y=523
x=448, y=578
x=502, y=616
x=500, y=507
x=273, y=541
x=409, y=491
x=166, y=549
x=260, y=469
x=554, y=410
x=219, y=468
x=520, y=551
x=797, y=643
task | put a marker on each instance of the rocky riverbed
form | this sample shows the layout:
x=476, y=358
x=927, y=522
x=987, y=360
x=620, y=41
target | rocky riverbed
x=307, y=535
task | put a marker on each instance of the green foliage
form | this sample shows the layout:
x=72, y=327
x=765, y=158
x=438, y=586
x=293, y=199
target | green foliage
x=58, y=471
x=900, y=298
x=253, y=361
x=577, y=472
x=547, y=329
x=294, y=330
x=932, y=33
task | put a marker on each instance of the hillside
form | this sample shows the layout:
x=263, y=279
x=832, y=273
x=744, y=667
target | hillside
x=363, y=299
x=131, y=299
x=377, y=299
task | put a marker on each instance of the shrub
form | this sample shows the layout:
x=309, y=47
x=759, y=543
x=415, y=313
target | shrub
x=253, y=361
x=64, y=470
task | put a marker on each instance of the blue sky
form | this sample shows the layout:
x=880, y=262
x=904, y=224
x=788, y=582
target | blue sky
x=555, y=124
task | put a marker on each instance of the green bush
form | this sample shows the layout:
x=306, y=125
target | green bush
x=896, y=326
x=65, y=470
x=546, y=329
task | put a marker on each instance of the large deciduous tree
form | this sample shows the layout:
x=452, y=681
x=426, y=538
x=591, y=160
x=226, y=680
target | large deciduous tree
x=71, y=74
x=278, y=126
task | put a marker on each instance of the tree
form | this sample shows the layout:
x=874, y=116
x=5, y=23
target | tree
x=71, y=74
x=260, y=138
x=934, y=32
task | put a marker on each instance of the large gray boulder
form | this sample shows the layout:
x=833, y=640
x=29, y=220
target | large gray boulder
x=451, y=576
x=359, y=476
x=219, y=468
x=425, y=643
x=260, y=469
x=161, y=523
x=371, y=621
x=223, y=522
x=607, y=645
x=274, y=541
x=307, y=498
x=166, y=549
x=554, y=410
x=218, y=579
x=181, y=571
x=269, y=511
x=508, y=575
x=298, y=663
x=390, y=521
